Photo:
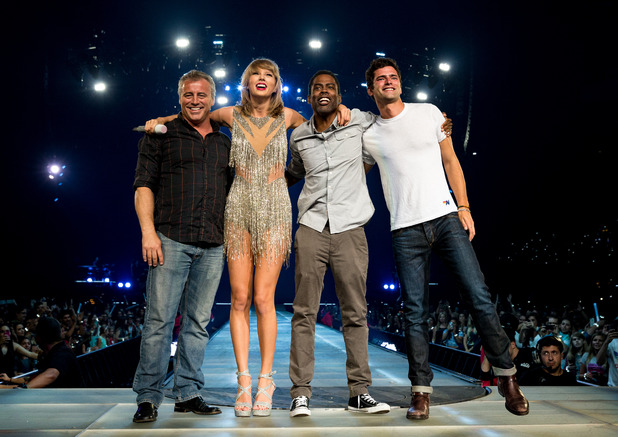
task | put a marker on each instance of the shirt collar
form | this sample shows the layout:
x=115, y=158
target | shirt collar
x=333, y=126
x=216, y=127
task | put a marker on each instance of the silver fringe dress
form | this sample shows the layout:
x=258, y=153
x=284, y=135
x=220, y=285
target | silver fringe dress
x=258, y=212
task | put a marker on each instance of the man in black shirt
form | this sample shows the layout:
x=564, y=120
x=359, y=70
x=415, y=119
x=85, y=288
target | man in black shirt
x=181, y=182
x=58, y=368
x=549, y=372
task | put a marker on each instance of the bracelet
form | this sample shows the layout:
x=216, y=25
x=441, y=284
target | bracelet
x=463, y=206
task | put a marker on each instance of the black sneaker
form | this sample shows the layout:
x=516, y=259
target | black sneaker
x=300, y=407
x=366, y=404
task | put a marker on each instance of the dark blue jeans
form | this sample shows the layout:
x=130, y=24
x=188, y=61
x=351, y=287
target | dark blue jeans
x=412, y=247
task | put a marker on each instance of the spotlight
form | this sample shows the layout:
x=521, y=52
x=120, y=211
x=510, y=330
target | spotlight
x=392, y=286
x=55, y=171
x=382, y=54
x=285, y=89
x=182, y=43
x=386, y=286
x=220, y=73
x=444, y=66
x=99, y=87
x=222, y=100
x=315, y=44
x=421, y=96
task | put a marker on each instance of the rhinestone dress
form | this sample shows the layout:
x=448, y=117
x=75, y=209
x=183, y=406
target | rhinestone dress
x=258, y=212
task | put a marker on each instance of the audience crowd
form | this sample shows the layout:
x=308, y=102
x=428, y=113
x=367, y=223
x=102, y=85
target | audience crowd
x=584, y=337
x=90, y=327
x=84, y=329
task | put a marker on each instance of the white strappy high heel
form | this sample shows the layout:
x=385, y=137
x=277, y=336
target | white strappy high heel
x=263, y=412
x=243, y=409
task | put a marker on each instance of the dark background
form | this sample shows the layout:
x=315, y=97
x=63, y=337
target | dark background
x=531, y=93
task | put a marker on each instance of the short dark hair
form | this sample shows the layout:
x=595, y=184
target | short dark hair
x=376, y=64
x=549, y=340
x=328, y=72
x=48, y=330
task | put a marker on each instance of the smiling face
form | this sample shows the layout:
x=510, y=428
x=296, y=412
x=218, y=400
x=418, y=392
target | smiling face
x=196, y=101
x=324, y=97
x=386, y=86
x=262, y=82
x=597, y=342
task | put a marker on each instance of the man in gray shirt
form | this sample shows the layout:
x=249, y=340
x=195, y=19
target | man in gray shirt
x=332, y=209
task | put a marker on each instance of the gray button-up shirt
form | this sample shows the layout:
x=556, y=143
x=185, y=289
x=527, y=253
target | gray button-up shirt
x=331, y=162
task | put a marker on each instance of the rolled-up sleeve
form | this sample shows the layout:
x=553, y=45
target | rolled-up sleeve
x=148, y=164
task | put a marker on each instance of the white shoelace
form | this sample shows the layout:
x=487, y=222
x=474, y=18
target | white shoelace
x=300, y=401
x=367, y=398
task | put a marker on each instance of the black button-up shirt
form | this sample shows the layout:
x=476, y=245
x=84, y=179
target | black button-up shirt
x=190, y=178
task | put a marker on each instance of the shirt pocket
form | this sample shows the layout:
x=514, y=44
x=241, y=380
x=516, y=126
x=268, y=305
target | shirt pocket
x=312, y=153
x=349, y=143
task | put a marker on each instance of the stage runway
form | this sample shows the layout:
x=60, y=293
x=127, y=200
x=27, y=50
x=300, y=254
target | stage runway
x=459, y=408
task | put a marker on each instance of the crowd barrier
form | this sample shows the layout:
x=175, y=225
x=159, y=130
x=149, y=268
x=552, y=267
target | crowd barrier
x=110, y=367
x=459, y=363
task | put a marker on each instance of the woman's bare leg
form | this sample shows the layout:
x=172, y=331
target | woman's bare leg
x=241, y=281
x=265, y=282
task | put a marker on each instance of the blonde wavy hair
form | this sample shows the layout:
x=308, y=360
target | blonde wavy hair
x=276, y=102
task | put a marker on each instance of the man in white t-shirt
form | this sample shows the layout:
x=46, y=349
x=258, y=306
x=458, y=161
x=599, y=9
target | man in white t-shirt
x=413, y=155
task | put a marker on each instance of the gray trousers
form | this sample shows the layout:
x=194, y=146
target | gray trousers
x=347, y=256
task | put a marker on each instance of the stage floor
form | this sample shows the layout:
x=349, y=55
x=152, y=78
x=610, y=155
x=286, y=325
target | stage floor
x=458, y=407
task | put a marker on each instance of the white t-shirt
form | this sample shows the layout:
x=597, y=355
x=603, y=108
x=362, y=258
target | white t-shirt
x=407, y=151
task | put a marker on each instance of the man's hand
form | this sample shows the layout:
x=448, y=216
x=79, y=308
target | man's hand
x=151, y=249
x=468, y=224
x=344, y=115
x=611, y=335
x=149, y=127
